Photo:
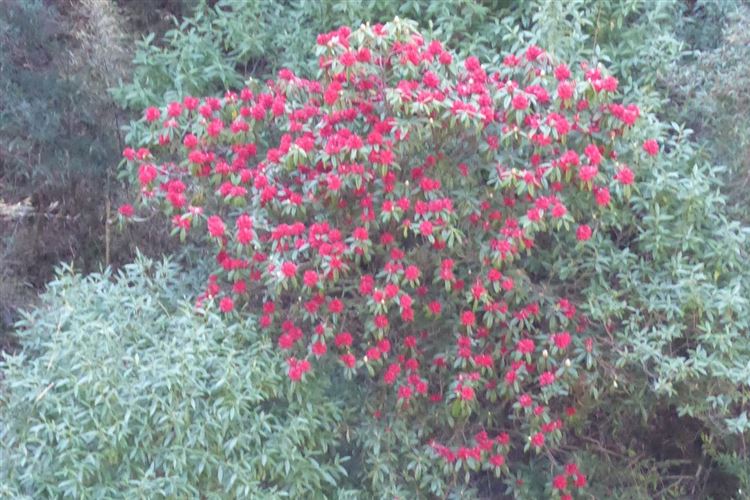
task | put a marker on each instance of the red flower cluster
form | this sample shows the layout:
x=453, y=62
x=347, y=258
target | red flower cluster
x=571, y=477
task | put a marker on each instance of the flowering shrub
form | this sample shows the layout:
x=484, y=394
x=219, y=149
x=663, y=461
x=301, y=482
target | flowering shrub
x=385, y=217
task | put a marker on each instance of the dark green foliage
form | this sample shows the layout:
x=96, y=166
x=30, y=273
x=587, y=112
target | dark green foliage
x=219, y=46
x=59, y=138
x=49, y=126
x=709, y=93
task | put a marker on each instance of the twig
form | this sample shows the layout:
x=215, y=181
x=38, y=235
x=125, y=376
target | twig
x=44, y=392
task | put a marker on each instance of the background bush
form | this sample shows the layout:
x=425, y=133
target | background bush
x=707, y=93
x=121, y=391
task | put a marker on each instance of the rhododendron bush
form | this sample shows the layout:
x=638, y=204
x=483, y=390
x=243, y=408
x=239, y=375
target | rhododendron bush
x=384, y=219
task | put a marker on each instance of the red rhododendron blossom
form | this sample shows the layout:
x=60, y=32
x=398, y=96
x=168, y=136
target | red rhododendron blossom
x=466, y=393
x=215, y=226
x=343, y=339
x=435, y=307
x=546, y=378
x=525, y=346
x=381, y=322
x=533, y=52
x=348, y=359
x=559, y=211
x=560, y=482
x=430, y=80
x=580, y=481
x=129, y=154
x=583, y=232
x=146, y=174
x=404, y=392
x=152, y=114
x=625, y=176
x=384, y=346
x=468, y=318
x=360, y=234
x=593, y=154
x=336, y=306
x=174, y=109
x=571, y=469
x=525, y=400
x=602, y=196
x=226, y=305
x=333, y=182
x=651, y=147
x=126, y=210
x=319, y=349
x=289, y=269
x=520, y=102
x=537, y=440
x=426, y=228
x=310, y=279
x=297, y=368
x=412, y=273
x=562, y=72
x=561, y=340
x=191, y=102
x=588, y=172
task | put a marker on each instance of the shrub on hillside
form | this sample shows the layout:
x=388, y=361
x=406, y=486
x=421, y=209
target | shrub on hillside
x=661, y=368
x=385, y=218
x=708, y=92
x=122, y=390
